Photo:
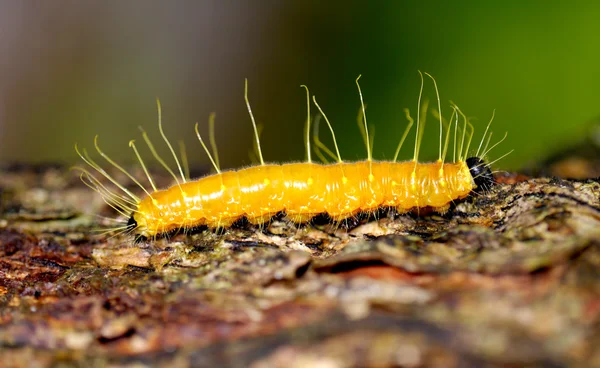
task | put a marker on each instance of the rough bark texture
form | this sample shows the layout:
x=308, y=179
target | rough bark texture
x=506, y=278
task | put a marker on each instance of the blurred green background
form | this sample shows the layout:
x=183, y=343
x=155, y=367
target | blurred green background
x=71, y=69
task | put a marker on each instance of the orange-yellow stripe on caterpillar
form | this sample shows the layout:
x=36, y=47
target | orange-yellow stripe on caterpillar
x=303, y=190
x=300, y=190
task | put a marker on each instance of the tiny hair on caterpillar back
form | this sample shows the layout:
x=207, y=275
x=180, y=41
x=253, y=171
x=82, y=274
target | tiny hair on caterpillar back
x=337, y=189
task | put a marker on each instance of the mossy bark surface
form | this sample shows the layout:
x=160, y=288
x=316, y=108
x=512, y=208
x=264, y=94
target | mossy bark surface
x=506, y=278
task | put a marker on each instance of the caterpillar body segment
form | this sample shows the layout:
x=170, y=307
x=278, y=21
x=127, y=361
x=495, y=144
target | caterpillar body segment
x=302, y=191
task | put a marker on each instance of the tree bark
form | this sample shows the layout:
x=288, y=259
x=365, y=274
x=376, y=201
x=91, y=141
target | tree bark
x=509, y=277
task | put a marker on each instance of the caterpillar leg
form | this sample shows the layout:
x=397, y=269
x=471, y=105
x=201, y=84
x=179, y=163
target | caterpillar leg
x=443, y=209
x=241, y=223
x=260, y=223
x=398, y=211
x=351, y=221
x=302, y=218
x=260, y=220
x=321, y=219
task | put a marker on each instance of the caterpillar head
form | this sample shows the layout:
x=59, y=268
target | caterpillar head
x=132, y=223
x=481, y=173
x=137, y=224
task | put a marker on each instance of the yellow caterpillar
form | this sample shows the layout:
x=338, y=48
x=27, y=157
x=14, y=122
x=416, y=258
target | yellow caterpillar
x=303, y=190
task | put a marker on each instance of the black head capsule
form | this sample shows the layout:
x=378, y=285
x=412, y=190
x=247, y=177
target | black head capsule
x=132, y=224
x=481, y=173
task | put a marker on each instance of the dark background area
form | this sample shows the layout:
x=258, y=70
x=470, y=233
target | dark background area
x=70, y=70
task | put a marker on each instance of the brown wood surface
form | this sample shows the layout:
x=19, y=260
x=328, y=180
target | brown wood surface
x=507, y=278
